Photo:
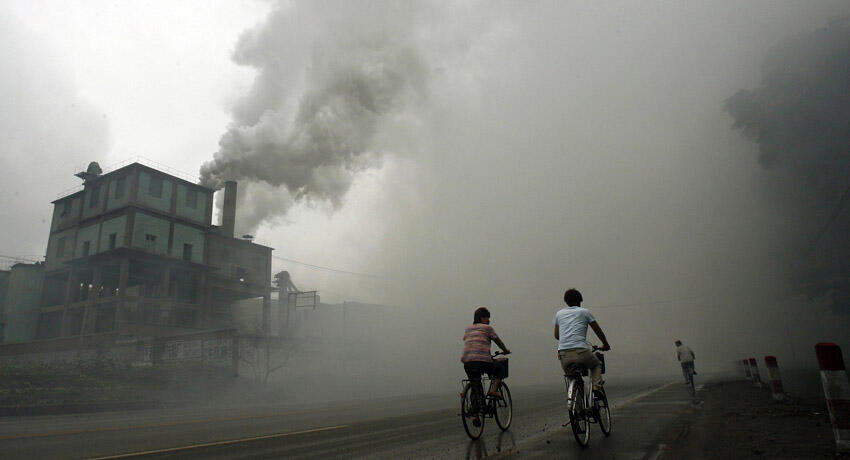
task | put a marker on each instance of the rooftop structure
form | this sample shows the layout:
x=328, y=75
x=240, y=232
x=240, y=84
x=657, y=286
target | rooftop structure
x=135, y=252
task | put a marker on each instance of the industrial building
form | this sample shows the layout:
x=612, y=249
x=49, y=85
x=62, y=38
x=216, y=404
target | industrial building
x=134, y=253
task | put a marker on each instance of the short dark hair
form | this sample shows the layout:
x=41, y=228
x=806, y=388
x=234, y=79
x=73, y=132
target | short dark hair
x=678, y=342
x=572, y=297
x=480, y=312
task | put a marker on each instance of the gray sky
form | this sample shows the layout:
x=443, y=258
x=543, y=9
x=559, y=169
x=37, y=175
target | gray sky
x=547, y=145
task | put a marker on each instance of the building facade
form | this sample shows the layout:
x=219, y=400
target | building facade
x=135, y=252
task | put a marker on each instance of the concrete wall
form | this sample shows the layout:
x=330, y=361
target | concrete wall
x=54, y=259
x=184, y=234
x=93, y=199
x=22, y=302
x=63, y=218
x=196, y=213
x=85, y=234
x=116, y=225
x=119, y=191
x=145, y=197
x=231, y=256
x=146, y=224
x=214, y=348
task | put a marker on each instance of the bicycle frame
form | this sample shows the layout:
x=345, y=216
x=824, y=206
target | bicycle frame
x=485, y=383
x=571, y=383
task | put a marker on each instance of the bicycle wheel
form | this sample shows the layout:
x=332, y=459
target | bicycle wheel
x=578, y=415
x=470, y=408
x=504, y=408
x=603, y=412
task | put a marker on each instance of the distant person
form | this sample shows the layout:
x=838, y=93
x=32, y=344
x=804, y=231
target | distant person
x=476, y=357
x=686, y=359
x=571, y=333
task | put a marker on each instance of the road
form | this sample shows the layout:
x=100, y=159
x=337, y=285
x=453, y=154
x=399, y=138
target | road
x=415, y=427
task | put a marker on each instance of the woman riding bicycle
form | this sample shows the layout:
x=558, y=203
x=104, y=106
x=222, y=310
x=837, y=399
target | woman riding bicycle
x=476, y=357
x=571, y=333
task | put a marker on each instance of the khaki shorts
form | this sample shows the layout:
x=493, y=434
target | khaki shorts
x=580, y=356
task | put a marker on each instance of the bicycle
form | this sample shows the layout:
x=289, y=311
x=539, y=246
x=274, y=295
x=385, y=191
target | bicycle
x=584, y=405
x=473, y=404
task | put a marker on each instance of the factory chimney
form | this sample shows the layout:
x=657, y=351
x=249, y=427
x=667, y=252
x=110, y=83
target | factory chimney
x=228, y=213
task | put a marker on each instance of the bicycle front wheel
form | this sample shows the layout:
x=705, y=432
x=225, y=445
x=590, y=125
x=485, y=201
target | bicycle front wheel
x=578, y=415
x=603, y=412
x=470, y=411
x=504, y=408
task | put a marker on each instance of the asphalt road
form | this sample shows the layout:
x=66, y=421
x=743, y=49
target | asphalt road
x=414, y=427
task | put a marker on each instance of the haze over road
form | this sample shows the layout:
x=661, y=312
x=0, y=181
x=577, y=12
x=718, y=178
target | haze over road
x=414, y=427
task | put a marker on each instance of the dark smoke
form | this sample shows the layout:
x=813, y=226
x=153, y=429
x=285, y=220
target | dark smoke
x=327, y=76
x=800, y=119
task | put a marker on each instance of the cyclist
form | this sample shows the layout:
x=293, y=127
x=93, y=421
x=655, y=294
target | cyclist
x=476, y=357
x=571, y=333
x=686, y=359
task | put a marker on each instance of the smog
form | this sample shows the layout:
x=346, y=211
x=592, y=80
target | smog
x=684, y=166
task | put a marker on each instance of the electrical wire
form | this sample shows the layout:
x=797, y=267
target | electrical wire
x=330, y=269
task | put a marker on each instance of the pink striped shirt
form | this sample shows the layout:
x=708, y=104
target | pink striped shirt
x=476, y=343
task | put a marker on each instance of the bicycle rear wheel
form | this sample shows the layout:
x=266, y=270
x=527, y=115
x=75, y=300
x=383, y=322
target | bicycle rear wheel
x=603, y=412
x=470, y=409
x=578, y=415
x=504, y=408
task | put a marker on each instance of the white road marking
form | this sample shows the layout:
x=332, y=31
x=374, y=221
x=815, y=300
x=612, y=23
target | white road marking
x=658, y=452
x=219, y=443
x=641, y=396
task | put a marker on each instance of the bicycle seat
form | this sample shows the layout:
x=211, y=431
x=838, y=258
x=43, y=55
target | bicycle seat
x=575, y=370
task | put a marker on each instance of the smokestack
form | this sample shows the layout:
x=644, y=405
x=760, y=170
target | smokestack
x=228, y=214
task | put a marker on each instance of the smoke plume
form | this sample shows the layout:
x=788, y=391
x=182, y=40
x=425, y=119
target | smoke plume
x=327, y=77
x=799, y=118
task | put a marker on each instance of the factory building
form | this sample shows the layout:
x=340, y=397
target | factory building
x=134, y=252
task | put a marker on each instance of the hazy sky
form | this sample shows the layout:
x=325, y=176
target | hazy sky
x=538, y=145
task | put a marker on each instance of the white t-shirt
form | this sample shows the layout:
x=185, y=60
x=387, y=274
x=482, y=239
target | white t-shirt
x=685, y=354
x=572, y=327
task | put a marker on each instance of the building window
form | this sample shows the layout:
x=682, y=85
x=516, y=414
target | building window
x=112, y=238
x=120, y=186
x=192, y=199
x=187, y=252
x=150, y=241
x=155, y=188
x=86, y=248
x=60, y=247
x=66, y=209
x=94, y=197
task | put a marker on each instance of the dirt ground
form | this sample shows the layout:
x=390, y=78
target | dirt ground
x=737, y=420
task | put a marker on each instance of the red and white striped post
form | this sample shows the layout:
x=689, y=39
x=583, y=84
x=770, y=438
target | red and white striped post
x=746, y=365
x=754, y=368
x=836, y=388
x=775, y=378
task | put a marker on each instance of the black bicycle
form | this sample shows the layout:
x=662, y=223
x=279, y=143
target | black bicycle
x=584, y=405
x=475, y=407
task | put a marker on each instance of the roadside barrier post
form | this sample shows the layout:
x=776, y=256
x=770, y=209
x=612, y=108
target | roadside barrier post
x=746, y=365
x=754, y=368
x=775, y=378
x=836, y=389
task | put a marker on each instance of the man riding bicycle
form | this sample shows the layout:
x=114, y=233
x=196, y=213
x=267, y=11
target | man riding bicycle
x=571, y=333
x=476, y=357
x=686, y=359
